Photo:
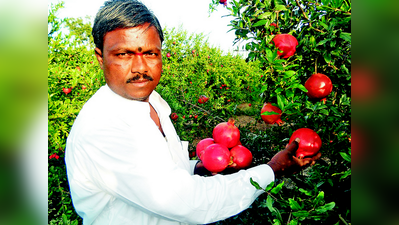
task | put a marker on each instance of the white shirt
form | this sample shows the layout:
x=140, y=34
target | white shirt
x=122, y=170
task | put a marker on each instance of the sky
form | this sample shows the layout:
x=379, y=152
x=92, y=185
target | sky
x=192, y=15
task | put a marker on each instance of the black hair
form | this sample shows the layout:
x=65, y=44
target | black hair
x=116, y=14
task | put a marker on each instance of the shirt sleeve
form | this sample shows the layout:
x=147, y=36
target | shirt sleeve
x=139, y=170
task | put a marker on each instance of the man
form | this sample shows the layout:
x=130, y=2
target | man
x=125, y=162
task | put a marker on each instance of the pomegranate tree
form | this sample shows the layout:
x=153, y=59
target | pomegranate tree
x=226, y=134
x=286, y=44
x=310, y=142
x=241, y=156
x=272, y=118
x=201, y=146
x=319, y=86
x=216, y=158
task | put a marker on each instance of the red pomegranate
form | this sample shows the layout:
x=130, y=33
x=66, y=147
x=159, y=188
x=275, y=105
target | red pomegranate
x=216, y=158
x=241, y=156
x=224, y=2
x=310, y=142
x=286, y=43
x=174, y=116
x=226, y=134
x=202, y=99
x=201, y=146
x=273, y=118
x=319, y=86
x=67, y=90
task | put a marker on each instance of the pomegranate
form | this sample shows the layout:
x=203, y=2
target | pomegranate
x=286, y=43
x=216, y=158
x=201, y=146
x=174, y=116
x=319, y=86
x=224, y=2
x=67, y=90
x=274, y=118
x=241, y=156
x=226, y=134
x=310, y=142
x=202, y=99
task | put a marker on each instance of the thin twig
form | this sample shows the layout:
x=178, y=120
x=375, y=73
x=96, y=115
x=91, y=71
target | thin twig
x=342, y=219
x=303, y=12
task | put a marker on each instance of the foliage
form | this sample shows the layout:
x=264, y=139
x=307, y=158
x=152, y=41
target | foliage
x=235, y=87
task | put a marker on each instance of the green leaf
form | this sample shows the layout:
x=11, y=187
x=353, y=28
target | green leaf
x=319, y=198
x=277, y=188
x=325, y=208
x=269, y=204
x=345, y=36
x=255, y=184
x=260, y=23
x=280, y=101
x=301, y=213
x=276, y=222
x=345, y=156
x=306, y=192
x=293, y=222
x=294, y=204
x=270, y=186
x=280, y=8
x=301, y=87
x=265, y=15
x=324, y=111
x=323, y=42
x=324, y=25
x=289, y=73
x=327, y=57
x=269, y=55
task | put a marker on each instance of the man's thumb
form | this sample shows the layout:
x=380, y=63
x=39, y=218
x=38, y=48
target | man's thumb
x=293, y=146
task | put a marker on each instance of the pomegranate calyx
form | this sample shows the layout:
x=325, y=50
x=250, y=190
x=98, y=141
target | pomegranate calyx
x=231, y=121
x=279, y=122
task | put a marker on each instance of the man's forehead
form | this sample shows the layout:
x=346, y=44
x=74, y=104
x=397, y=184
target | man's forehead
x=125, y=37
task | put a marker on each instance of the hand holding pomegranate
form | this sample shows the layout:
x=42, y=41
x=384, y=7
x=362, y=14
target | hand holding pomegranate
x=285, y=162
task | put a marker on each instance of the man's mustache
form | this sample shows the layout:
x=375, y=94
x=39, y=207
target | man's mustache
x=143, y=76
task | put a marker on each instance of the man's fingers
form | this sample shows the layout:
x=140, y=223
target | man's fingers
x=293, y=146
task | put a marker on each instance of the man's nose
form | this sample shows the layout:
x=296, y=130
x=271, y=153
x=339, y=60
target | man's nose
x=139, y=63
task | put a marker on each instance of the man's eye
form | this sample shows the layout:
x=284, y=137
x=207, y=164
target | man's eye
x=151, y=54
x=121, y=54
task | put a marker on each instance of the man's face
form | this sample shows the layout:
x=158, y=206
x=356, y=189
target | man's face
x=132, y=61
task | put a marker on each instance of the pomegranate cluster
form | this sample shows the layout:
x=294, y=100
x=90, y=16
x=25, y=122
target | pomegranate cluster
x=224, y=149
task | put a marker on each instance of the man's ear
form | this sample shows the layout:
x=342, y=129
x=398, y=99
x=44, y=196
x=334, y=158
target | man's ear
x=99, y=56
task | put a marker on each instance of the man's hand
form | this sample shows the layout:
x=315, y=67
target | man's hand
x=285, y=162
